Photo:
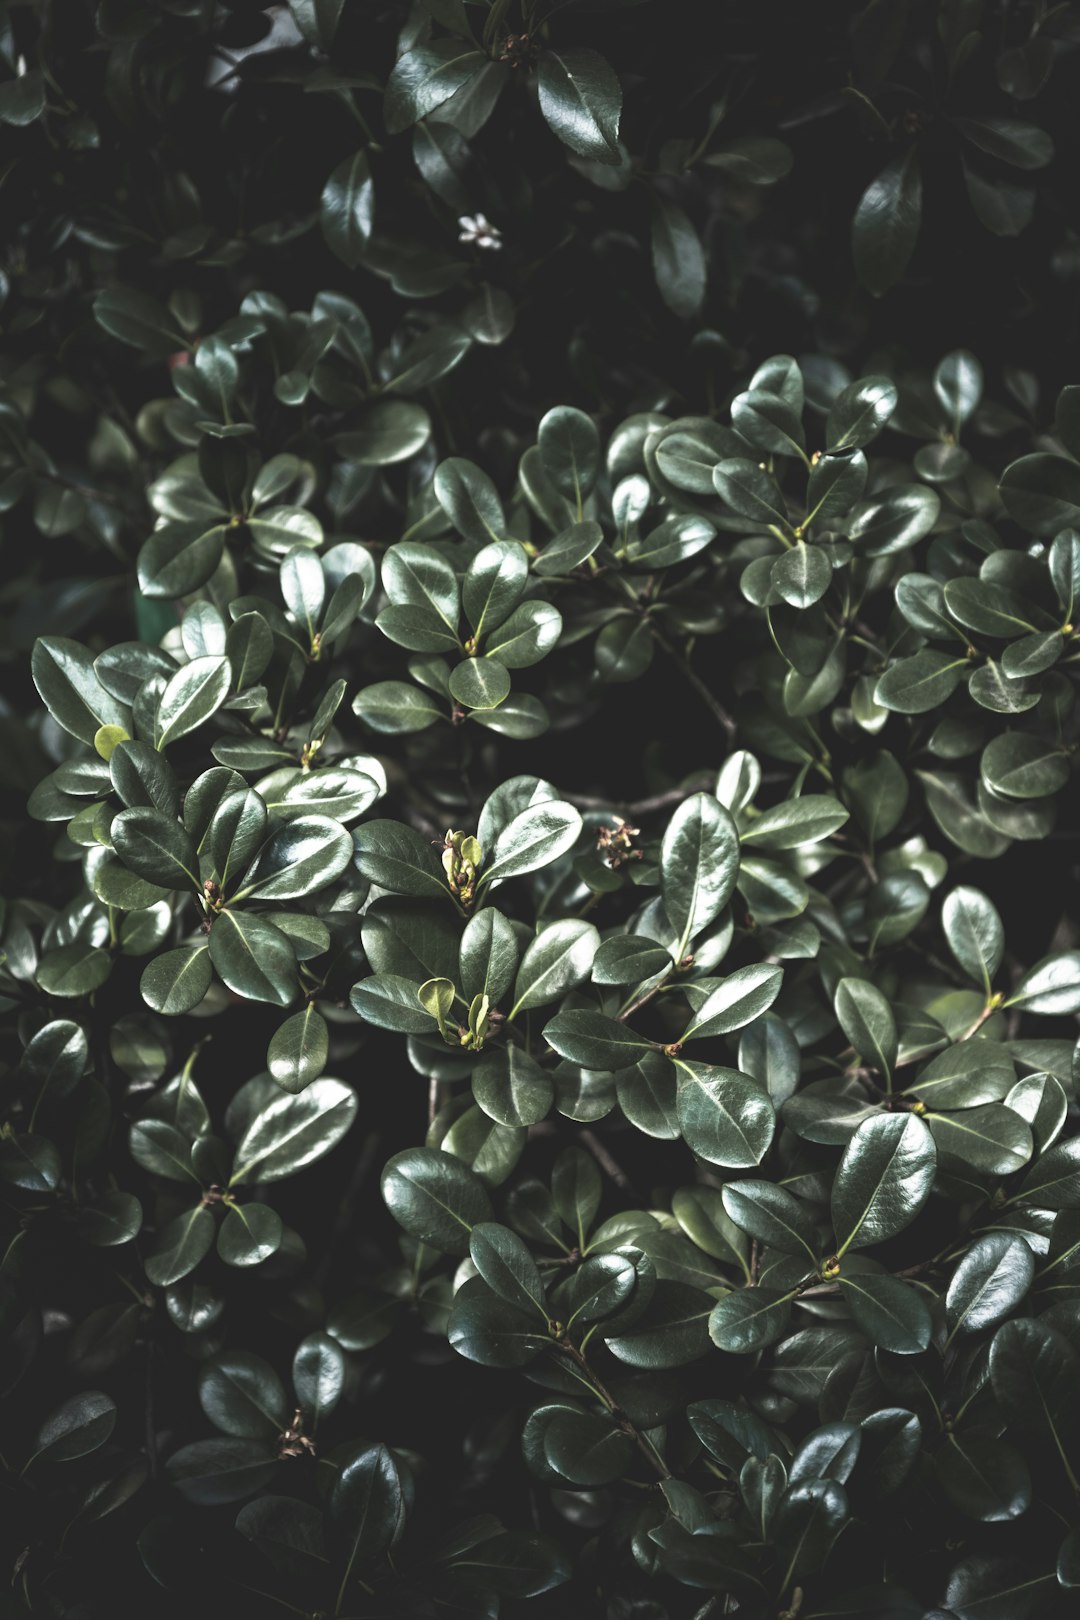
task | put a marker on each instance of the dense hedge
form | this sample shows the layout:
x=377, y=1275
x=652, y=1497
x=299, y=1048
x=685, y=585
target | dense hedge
x=539, y=962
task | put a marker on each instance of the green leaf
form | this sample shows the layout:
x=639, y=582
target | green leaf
x=969, y=1073
x=391, y=1002
x=426, y=77
x=139, y=320
x=1024, y=767
x=808, y=1519
x=858, y=413
x=883, y=1180
x=396, y=857
x=180, y=1247
x=224, y=1469
x=749, y=492
x=54, y=1059
x=678, y=258
x=629, y=959
x=575, y=1191
x=242, y=1395
x=674, y=540
x=836, y=482
x=1042, y=493
x=298, y=1049
x=484, y=1328
x=488, y=956
x=569, y=549
x=805, y=820
x=303, y=587
x=749, y=1319
x=73, y=970
x=255, y=959
x=304, y=856
x=527, y=636
x=769, y=421
x=317, y=20
x=1053, y=1182
x=191, y=697
x=479, y=683
x=893, y=521
x=249, y=1234
x=395, y=707
x=891, y=1313
x=236, y=833
x=886, y=224
x=989, y=609
x=69, y=687
x=769, y=1213
x=493, y=584
x=318, y=1377
x=141, y=776
x=570, y=453
x=180, y=557
x=511, y=1087
x=740, y=998
x=725, y=1117
x=416, y=576
x=673, y=1330
x=533, y=839
x=624, y=649
x=1033, y=1371
x=291, y=1132
x=436, y=1198
x=1050, y=987
x=581, y=100
x=986, y=1478
x=958, y=384
x=471, y=502
x=647, y=1095
x=918, y=684
x=702, y=1215
x=346, y=209
x=157, y=847
x=989, y=1282
x=508, y=1268
x=594, y=1040
x=974, y=934
x=162, y=1149
x=177, y=981
x=79, y=1426
x=867, y=1020
x=699, y=863
x=365, y=1510
x=390, y=430
x=802, y=576
x=586, y=1448
x=560, y=956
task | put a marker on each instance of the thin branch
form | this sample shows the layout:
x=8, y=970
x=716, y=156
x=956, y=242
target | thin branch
x=634, y=807
x=643, y=1443
x=711, y=702
x=607, y=1163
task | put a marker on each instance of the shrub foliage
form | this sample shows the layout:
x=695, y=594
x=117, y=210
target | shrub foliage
x=539, y=687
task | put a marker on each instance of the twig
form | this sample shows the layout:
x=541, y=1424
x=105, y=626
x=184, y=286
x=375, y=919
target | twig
x=636, y=807
x=714, y=706
x=608, y=1164
x=625, y=1423
x=641, y=1000
x=148, y=1408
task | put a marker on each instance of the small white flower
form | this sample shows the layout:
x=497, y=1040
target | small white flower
x=477, y=228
